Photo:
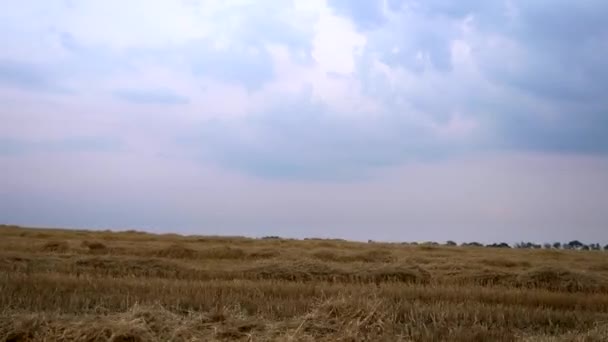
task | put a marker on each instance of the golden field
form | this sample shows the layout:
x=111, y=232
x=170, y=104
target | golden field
x=76, y=285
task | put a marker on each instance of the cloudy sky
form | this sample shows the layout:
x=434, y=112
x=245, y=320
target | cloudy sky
x=394, y=120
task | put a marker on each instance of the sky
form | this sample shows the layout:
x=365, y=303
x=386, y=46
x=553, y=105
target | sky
x=390, y=120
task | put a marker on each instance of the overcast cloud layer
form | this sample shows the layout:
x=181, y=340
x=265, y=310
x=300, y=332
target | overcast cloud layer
x=390, y=120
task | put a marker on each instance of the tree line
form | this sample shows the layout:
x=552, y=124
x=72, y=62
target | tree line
x=572, y=245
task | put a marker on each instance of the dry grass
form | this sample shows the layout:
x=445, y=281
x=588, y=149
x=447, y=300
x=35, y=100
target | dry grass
x=94, y=246
x=60, y=285
x=559, y=279
x=55, y=246
x=374, y=255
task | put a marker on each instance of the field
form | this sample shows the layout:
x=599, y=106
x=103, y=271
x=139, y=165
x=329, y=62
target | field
x=62, y=285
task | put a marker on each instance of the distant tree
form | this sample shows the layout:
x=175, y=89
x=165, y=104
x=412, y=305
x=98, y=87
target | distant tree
x=606, y=248
x=575, y=244
x=527, y=245
x=547, y=245
x=557, y=245
x=472, y=244
x=499, y=245
x=451, y=243
x=595, y=246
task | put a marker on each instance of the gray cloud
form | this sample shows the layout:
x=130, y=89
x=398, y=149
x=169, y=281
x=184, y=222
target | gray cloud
x=29, y=77
x=151, y=96
x=366, y=14
x=20, y=147
x=241, y=58
x=246, y=60
x=542, y=60
x=301, y=139
x=237, y=65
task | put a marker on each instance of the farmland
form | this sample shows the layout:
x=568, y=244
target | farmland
x=78, y=285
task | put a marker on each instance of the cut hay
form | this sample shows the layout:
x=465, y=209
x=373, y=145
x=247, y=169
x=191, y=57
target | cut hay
x=397, y=273
x=94, y=246
x=486, y=277
x=265, y=253
x=55, y=247
x=375, y=255
x=223, y=252
x=310, y=270
x=558, y=279
x=504, y=262
x=177, y=251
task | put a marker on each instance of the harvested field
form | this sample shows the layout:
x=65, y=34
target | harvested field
x=62, y=285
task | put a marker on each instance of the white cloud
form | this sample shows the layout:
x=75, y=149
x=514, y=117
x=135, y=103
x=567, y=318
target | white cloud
x=139, y=23
x=336, y=43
